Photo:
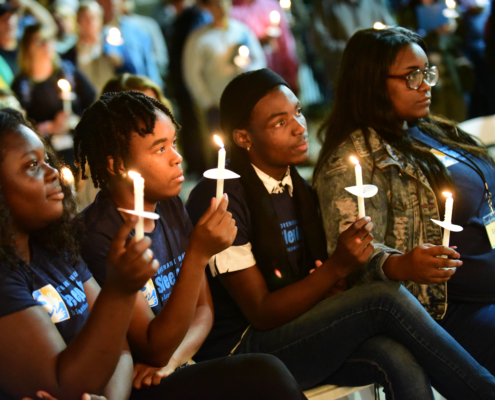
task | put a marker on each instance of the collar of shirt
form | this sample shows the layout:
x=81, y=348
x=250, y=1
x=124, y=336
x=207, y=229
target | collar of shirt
x=274, y=186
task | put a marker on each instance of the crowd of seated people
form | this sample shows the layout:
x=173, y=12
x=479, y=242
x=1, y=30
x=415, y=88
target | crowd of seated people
x=267, y=285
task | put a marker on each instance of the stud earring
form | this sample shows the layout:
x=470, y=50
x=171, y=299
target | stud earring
x=248, y=148
x=123, y=176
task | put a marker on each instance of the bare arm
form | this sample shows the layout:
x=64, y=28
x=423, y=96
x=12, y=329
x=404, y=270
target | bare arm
x=145, y=376
x=118, y=388
x=267, y=310
x=156, y=339
x=32, y=344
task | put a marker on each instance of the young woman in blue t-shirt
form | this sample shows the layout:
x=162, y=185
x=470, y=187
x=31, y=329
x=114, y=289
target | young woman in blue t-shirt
x=129, y=131
x=56, y=335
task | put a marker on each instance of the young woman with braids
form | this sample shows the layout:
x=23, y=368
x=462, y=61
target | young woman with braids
x=381, y=115
x=129, y=131
x=56, y=335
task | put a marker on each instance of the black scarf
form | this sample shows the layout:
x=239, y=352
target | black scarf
x=269, y=247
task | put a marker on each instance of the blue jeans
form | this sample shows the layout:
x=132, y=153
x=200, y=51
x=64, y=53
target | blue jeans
x=473, y=326
x=318, y=343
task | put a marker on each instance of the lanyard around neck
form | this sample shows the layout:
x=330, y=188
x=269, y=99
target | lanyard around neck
x=471, y=164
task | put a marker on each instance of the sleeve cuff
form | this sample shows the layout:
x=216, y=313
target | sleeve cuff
x=379, y=260
x=235, y=258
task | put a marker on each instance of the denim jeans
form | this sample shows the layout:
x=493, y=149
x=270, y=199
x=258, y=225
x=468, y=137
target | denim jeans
x=318, y=343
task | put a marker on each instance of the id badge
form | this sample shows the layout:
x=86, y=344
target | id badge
x=489, y=222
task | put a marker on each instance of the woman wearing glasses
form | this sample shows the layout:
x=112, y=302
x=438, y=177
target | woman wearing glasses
x=381, y=115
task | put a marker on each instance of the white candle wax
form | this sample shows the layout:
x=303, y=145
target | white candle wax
x=138, y=202
x=221, y=169
x=67, y=95
x=359, y=185
x=449, y=205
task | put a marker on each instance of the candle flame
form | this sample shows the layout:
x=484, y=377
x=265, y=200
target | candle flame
x=285, y=4
x=354, y=160
x=447, y=194
x=134, y=174
x=450, y=4
x=114, y=37
x=275, y=17
x=67, y=176
x=64, y=85
x=218, y=141
x=378, y=25
x=278, y=273
x=244, y=51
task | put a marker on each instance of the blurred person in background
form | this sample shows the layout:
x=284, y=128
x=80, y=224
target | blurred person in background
x=87, y=54
x=37, y=88
x=190, y=139
x=335, y=21
x=280, y=52
x=65, y=18
x=136, y=50
x=150, y=26
x=210, y=54
x=15, y=15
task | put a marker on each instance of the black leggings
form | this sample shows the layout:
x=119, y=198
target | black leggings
x=242, y=377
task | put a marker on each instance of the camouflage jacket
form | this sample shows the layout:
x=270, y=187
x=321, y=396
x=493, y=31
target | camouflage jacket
x=400, y=211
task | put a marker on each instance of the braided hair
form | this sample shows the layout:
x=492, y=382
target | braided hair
x=106, y=129
x=59, y=238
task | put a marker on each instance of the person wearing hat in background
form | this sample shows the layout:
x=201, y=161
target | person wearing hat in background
x=269, y=297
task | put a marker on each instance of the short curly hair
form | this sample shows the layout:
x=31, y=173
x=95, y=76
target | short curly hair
x=106, y=129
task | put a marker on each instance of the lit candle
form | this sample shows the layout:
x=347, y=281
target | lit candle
x=285, y=5
x=114, y=37
x=449, y=205
x=242, y=60
x=275, y=18
x=359, y=185
x=67, y=95
x=67, y=177
x=450, y=4
x=138, y=202
x=378, y=25
x=450, y=11
x=221, y=168
x=274, y=28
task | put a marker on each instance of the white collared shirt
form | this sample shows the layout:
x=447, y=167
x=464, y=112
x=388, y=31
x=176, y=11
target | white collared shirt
x=237, y=258
x=274, y=186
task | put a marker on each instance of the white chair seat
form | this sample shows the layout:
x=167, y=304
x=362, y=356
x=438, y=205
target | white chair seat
x=333, y=392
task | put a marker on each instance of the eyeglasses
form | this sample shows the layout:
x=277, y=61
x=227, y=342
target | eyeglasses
x=415, y=79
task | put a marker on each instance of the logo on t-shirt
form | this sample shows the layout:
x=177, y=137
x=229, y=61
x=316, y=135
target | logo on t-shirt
x=53, y=304
x=444, y=158
x=149, y=293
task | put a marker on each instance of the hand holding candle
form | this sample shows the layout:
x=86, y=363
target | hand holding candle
x=138, y=203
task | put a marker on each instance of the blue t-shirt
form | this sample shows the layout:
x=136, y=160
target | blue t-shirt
x=51, y=283
x=289, y=225
x=474, y=281
x=170, y=239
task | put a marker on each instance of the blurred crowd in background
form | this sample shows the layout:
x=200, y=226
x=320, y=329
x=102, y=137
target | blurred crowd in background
x=184, y=52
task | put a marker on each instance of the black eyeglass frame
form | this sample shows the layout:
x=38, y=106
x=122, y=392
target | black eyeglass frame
x=407, y=76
